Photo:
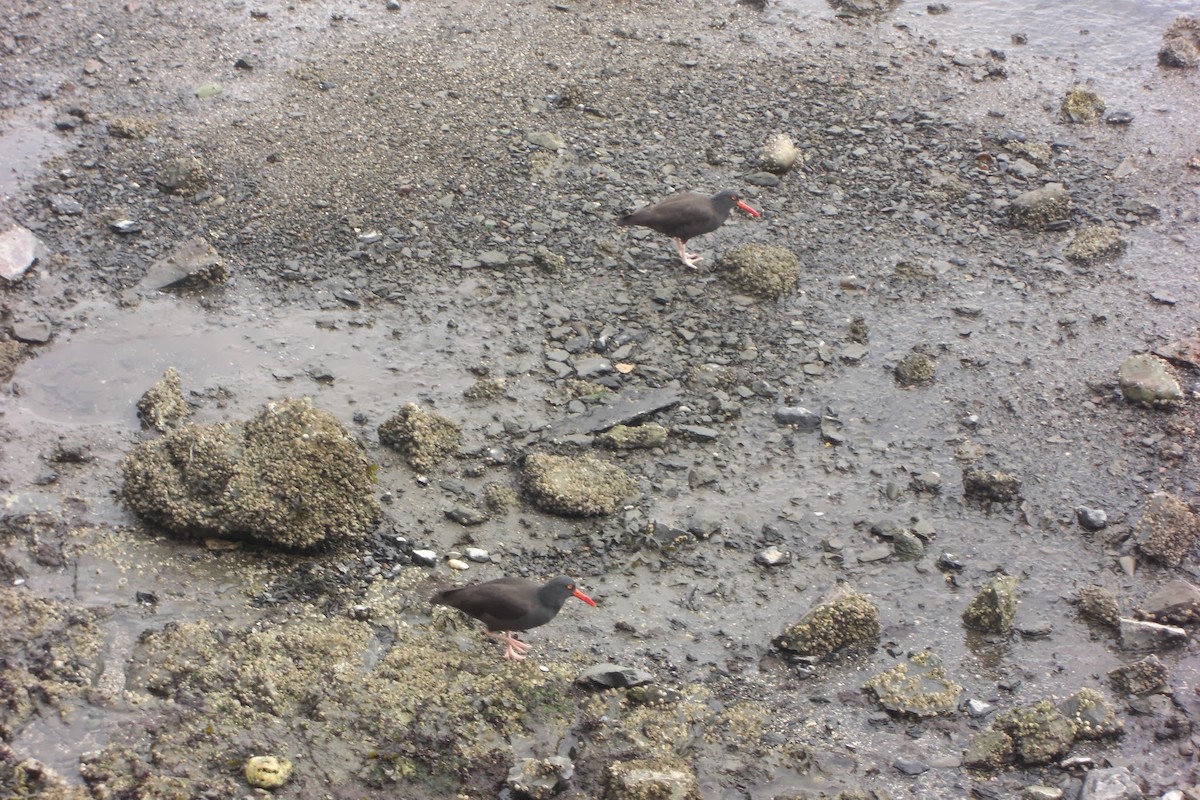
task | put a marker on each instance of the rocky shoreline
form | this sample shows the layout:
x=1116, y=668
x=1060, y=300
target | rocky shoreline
x=894, y=495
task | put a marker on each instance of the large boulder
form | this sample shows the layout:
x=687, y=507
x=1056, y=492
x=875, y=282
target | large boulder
x=291, y=475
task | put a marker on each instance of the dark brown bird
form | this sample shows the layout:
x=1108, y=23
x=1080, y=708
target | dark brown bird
x=511, y=604
x=682, y=216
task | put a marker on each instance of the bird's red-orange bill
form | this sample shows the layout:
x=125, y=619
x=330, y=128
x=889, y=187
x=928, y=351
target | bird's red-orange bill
x=585, y=598
x=742, y=205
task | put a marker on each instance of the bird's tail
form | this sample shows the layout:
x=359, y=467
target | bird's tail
x=625, y=221
x=438, y=598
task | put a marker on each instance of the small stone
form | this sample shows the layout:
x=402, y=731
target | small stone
x=772, y=557
x=267, y=772
x=493, y=258
x=930, y=481
x=779, y=154
x=195, y=264
x=614, y=676
x=701, y=433
x=540, y=778
x=1082, y=105
x=467, y=515
x=1167, y=530
x=125, y=227
x=1177, y=603
x=1181, y=44
x=19, y=249
x=545, y=140
x=801, y=417
x=424, y=558
x=1093, y=519
x=1099, y=605
x=1000, y=487
x=915, y=369
x=457, y=564
x=1146, y=378
x=65, y=205
x=761, y=270
x=978, y=708
x=1111, y=783
x=478, y=555
x=31, y=331
x=1039, y=208
x=1095, y=243
x=919, y=687
x=1039, y=792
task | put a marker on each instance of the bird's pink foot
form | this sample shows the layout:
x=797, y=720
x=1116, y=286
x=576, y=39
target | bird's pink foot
x=514, y=648
x=687, y=258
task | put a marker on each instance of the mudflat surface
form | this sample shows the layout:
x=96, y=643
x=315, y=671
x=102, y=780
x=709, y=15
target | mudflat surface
x=409, y=199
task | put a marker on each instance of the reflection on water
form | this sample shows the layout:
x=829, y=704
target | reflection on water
x=98, y=374
x=1101, y=36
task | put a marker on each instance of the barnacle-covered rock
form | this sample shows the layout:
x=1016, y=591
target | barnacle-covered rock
x=575, y=487
x=292, y=475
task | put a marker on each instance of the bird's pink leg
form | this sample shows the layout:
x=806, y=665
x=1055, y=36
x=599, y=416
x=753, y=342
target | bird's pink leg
x=514, y=648
x=688, y=258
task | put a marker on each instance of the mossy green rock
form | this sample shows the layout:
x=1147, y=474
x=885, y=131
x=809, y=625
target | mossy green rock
x=991, y=485
x=292, y=475
x=843, y=618
x=575, y=487
x=1082, y=105
x=995, y=607
x=915, y=369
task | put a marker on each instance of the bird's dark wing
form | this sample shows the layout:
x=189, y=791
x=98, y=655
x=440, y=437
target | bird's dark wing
x=494, y=602
x=683, y=215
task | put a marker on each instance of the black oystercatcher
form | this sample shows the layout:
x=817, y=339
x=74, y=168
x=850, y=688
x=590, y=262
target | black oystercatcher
x=685, y=215
x=511, y=604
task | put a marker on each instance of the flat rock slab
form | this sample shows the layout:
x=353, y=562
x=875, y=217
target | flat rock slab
x=614, y=676
x=195, y=263
x=19, y=248
x=629, y=407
